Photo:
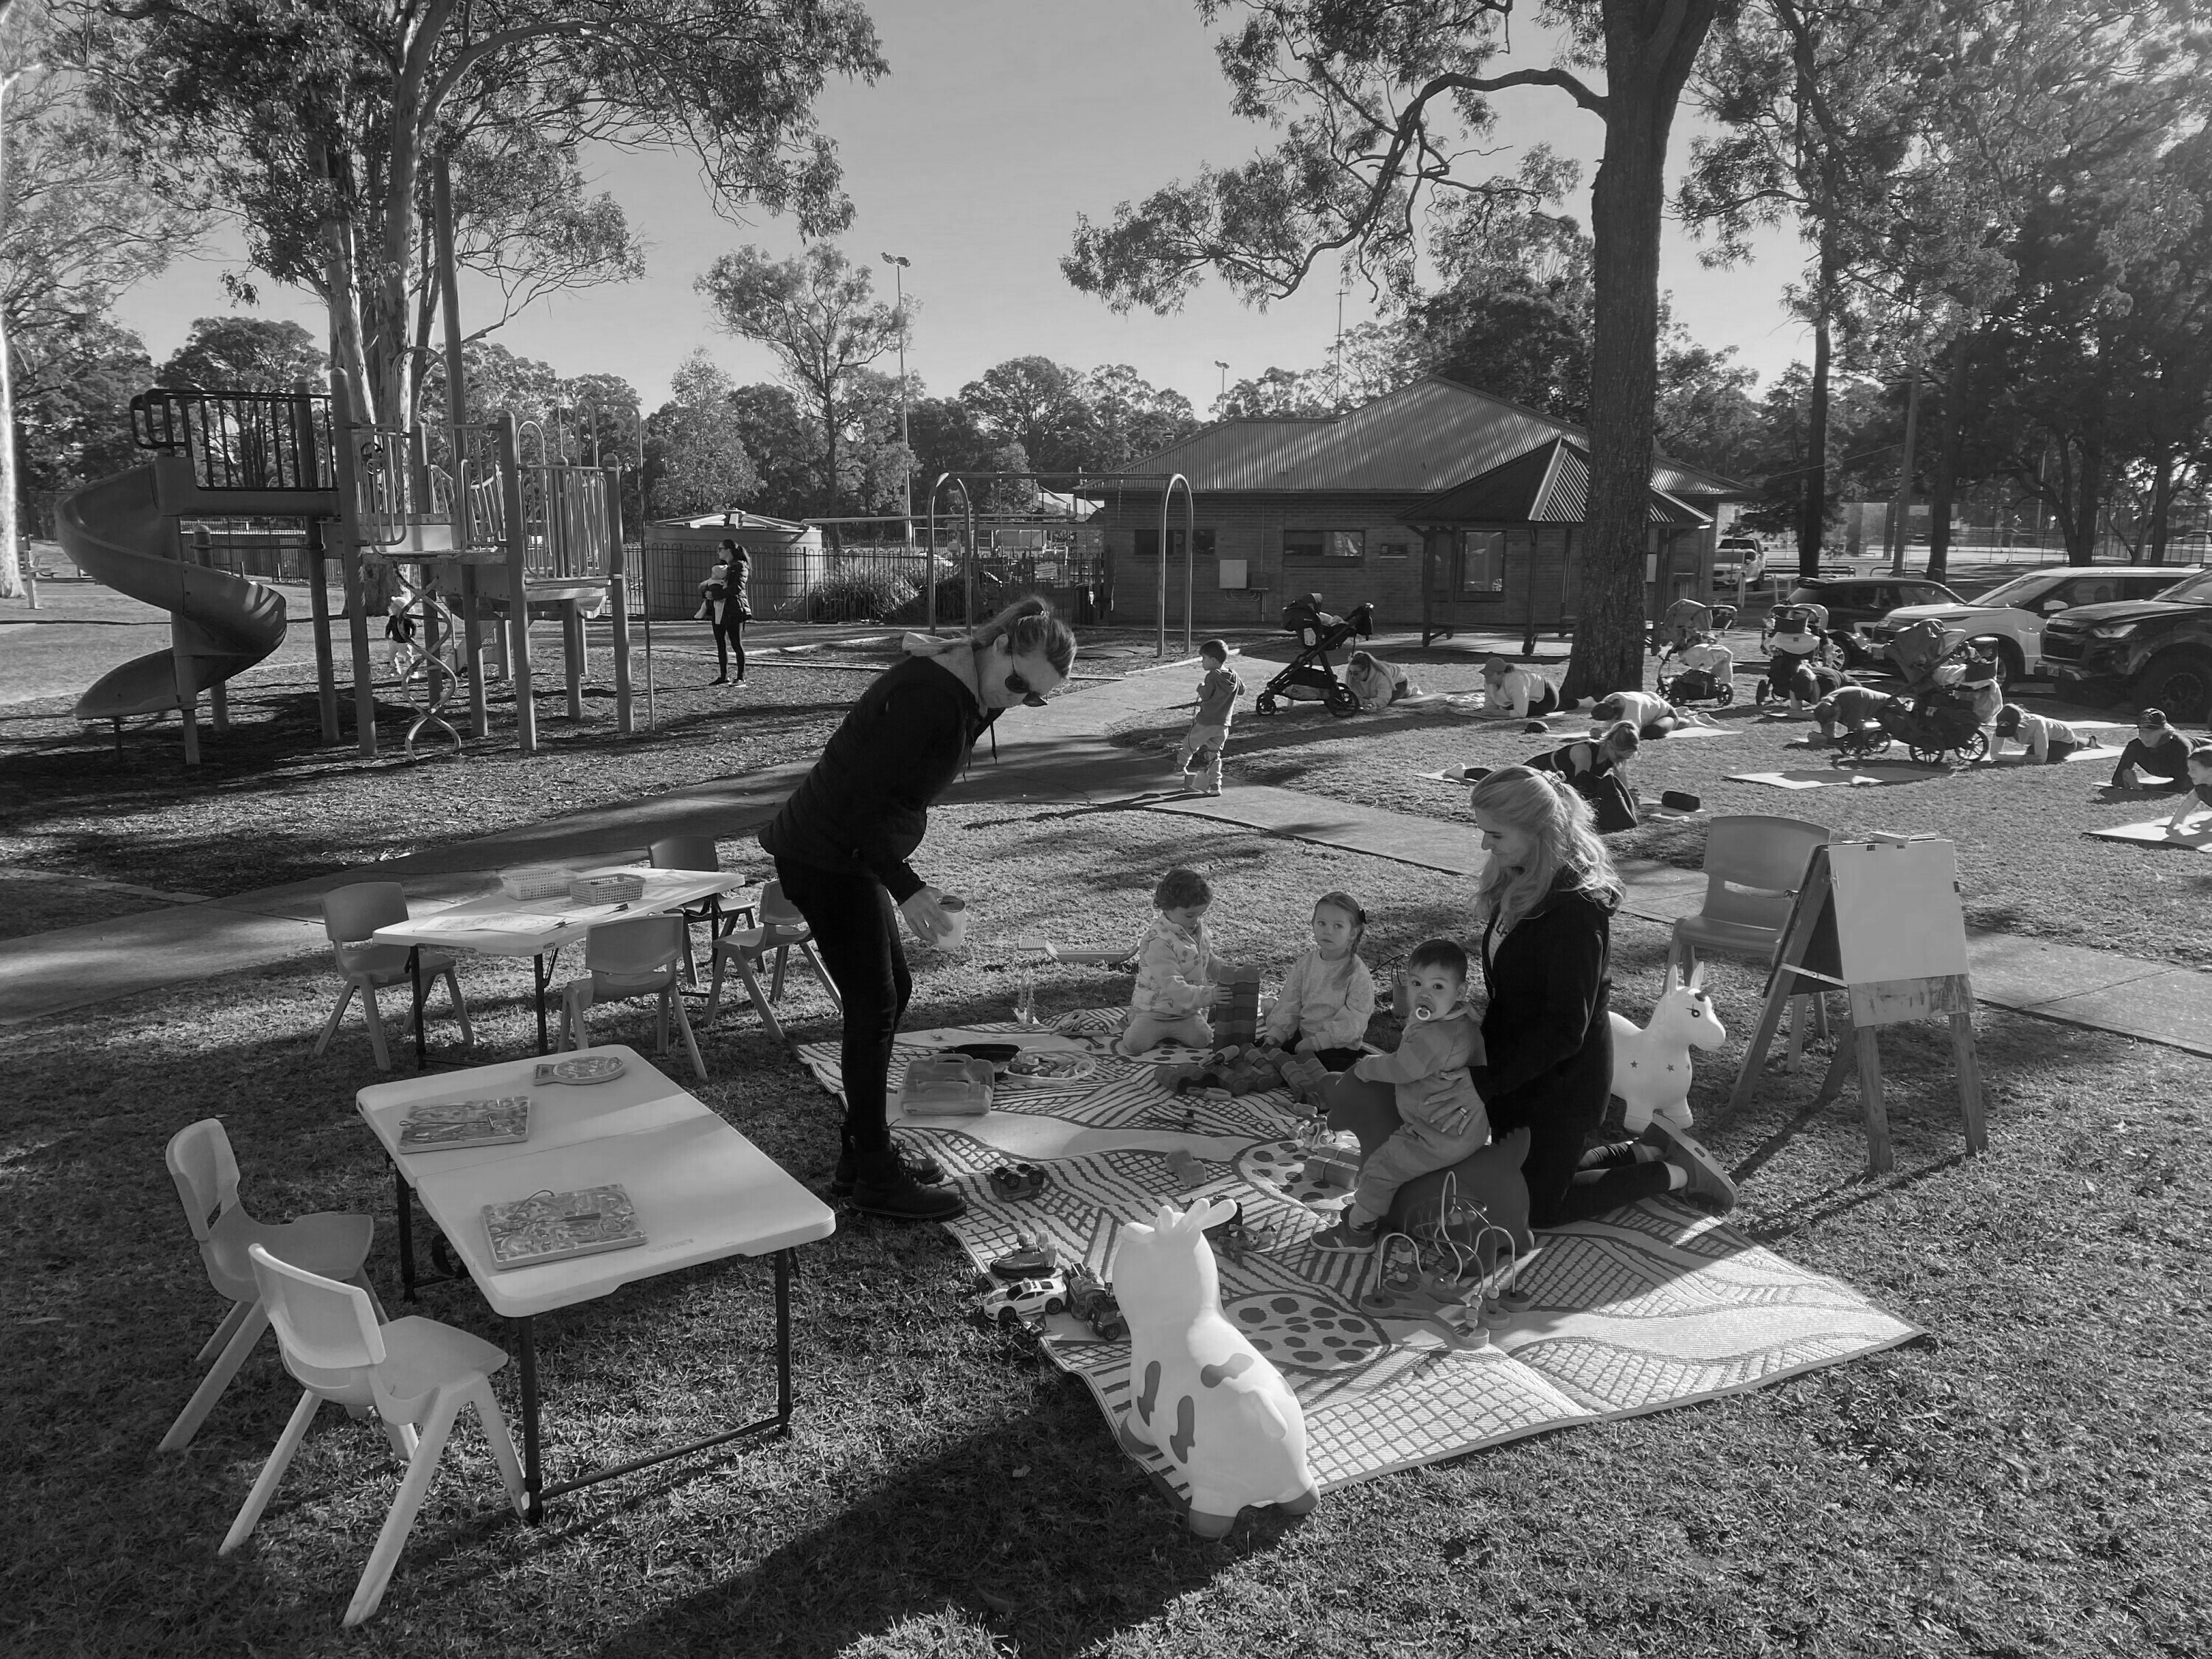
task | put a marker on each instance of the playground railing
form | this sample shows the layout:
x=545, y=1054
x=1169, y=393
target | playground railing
x=242, y=440
x=566, y=522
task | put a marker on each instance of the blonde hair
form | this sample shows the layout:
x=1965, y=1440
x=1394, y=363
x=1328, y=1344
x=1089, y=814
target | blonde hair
x=1620, y=740
x=1563, y=832
x=1029, y=627
x=1344, y=901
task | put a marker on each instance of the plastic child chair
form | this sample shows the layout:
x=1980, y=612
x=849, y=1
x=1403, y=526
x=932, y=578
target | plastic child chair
x=333, y=1244
x=416, y=1374
x=698, y=852
x=627, y=959
x=1754, y=866
x=782, y=929
x=350, y=916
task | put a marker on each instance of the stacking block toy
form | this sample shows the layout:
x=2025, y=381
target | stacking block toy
x=1237, y=1021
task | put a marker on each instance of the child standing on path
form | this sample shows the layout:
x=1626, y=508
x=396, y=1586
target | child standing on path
x=1209, y=733
x=1328, y=995
x=1441, y=1037
x=1175, y=969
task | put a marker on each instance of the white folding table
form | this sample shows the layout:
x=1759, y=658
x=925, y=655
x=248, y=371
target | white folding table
x=497, y=925
x=703, y=1193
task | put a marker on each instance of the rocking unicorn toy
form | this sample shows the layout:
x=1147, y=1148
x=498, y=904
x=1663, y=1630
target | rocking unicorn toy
x=1199, y=1394
x=1651, y=1068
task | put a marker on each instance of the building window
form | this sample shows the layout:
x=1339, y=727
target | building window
x=1482, y=568
x=1397, y=547
x=1205, y=537
x=1324, y=546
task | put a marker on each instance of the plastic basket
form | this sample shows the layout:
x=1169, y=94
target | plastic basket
x=607, y=889
x=536, y=881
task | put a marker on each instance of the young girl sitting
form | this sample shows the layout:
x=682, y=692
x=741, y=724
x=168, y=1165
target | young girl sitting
x=1175, y=969
x=1328, y=995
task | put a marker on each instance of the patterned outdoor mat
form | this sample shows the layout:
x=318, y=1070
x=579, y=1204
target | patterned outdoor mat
x=1655, y=1305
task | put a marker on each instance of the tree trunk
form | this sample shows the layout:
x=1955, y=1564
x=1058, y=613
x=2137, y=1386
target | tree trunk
x=2088, y=503
x=2161, y=510
x=829, y=436
x=1950, y=438
x=11, y=568
x=1812, y=511
x=1650, y=46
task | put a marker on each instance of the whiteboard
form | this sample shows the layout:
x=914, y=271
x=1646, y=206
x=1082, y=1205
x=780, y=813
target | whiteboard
x=1898, y=912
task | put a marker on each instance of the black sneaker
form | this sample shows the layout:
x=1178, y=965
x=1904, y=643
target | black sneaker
x=920, y=1167
x=900, y=1197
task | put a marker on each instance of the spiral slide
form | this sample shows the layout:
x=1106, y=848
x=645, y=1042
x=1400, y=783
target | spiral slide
x=114, y=531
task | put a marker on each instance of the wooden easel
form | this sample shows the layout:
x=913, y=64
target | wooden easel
x=1899, y=954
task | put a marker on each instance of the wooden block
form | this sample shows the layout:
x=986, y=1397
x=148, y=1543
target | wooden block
x=1237, y=1018
x=1337, y=1171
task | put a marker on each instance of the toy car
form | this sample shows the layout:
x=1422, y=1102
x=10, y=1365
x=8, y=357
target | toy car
x=1018, y=1181
x=1091, y=1300
x=1025, y=1298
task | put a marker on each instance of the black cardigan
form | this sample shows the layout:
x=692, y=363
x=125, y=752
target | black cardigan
x=865, y=807
x=1549, y=987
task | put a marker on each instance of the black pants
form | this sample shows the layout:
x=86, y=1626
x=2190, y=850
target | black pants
x=729, y=640
x=856, y=929
x=1562, y=1115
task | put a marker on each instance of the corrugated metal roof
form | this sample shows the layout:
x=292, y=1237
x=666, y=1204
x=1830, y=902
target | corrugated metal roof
x=1547, y=485
x=1425, y=437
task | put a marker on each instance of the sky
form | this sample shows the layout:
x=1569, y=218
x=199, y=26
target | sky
x=1000, y=122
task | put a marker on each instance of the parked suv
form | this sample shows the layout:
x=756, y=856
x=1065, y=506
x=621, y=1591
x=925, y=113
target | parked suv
x=2011, y=616
x=2156, y=654
x=1855, y=601
x=1738, y=559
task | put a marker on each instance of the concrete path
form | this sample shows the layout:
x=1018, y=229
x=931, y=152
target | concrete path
x=1053, y=756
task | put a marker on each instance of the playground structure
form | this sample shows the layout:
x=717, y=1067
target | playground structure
x=508, y=540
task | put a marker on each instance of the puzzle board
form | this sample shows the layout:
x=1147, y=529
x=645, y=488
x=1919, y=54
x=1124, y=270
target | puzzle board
x=1653, y=1306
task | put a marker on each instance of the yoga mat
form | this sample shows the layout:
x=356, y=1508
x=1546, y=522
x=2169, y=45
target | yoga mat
x=1653, y=1306
x=1865, y=774
x=2195, y=839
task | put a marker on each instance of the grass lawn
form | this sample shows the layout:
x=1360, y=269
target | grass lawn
x=2031, y=1481
x=2028, y=868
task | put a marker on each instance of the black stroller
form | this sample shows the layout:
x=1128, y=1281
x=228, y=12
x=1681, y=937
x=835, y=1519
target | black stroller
x=1309, y=675
x=1932, y=727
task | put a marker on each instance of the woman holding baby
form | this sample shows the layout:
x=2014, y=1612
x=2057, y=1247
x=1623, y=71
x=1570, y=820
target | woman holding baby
x=1543, y=914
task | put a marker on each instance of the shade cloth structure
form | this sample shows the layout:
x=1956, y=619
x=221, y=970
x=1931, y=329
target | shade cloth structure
x=334, y=1244
x=416, y=1374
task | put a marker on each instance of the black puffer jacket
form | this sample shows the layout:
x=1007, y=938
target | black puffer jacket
x=1550, y=1042
x=865, y=807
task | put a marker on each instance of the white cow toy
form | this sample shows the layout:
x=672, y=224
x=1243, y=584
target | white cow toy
x=1199, y=1393
x=1651, y=1068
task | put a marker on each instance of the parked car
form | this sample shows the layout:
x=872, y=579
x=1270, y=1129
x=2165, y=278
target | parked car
x=1738, y=560
x=1853, y=602
x=2010, y=616
x=2155, y=653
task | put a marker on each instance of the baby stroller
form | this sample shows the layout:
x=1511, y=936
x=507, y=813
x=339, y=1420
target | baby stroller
x=1700, y=671
x=1794, y=635
x=1932, y=727
x=1309, y=675
x=1919, y=651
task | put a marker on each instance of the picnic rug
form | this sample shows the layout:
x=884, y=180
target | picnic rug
x=1655, y=1306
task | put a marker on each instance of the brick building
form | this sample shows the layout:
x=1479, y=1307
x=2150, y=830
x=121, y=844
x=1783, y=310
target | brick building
x=1446, y=507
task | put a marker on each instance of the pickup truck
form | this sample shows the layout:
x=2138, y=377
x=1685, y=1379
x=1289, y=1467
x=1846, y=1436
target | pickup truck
x=2154, y=653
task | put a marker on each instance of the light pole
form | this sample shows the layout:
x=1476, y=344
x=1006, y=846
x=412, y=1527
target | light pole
x=1223, y=368
x=906, y=473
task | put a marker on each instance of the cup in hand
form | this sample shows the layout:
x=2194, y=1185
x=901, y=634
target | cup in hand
x=956, y=912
